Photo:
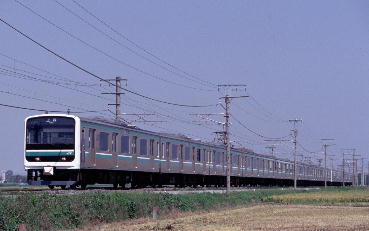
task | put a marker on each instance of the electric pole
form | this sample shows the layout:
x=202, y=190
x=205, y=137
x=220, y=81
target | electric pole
x=354, y=166
x=117, y=94
x=343, y=168
x=295, y=132
x=362, y=171
x=227, y=100
x=325, y=145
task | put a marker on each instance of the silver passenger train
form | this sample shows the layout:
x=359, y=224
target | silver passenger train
x=67, y=150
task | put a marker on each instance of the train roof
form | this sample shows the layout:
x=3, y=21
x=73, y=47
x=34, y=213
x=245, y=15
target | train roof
x=178, y=136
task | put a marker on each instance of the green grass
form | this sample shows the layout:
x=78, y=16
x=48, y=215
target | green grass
x=346, y=195
x=52, y=212
x=55, y=211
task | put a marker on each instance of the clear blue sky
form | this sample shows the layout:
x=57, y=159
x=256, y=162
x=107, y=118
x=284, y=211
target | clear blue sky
x=305, y=59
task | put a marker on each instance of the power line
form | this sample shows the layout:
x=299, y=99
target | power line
x=126, y=47
x=94, y=75
x=101, y=51
x=252, y=131
x=42, y=110
x=267, y=113
x=50, y=74
x=306, y=150
x=140, y=47
x=18, y=75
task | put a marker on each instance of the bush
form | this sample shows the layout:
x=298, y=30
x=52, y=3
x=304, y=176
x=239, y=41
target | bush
x=51, y=212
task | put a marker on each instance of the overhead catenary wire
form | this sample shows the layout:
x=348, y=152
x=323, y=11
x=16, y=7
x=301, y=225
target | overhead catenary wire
x=307, y=150
x=96, y=76
x=267, y=113
x=139, y=46
x=43, y=110
x=127, y=47
x=18, y=75
x=49, y=74
x=252, y=131
x=119, y=61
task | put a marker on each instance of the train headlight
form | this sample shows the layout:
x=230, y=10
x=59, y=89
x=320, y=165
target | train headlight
x=37, y=158
x=63, y=158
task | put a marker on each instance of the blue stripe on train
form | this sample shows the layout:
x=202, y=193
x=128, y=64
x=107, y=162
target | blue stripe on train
x=37, y=153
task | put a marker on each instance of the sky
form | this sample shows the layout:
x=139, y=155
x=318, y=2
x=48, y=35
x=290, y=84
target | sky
x=299, y=59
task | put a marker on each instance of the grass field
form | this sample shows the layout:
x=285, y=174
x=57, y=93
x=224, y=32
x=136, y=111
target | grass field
x=332, y=209
x=258, y=217
x=336, y=196
x=262, y=209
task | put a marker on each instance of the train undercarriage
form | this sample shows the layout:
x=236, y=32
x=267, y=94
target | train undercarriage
x=128, y=179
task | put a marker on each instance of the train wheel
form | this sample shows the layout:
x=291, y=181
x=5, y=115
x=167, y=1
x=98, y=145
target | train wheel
x=63, y=187
x=51, y=186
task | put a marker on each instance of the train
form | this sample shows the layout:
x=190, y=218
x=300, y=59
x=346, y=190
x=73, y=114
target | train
x=64, y=150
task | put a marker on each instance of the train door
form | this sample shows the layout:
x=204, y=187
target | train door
x=114, y=139
x=83, y=148
x=92, y=148
x=181, y=157
x=193, y=159
x=152, y=153
x=162, y=157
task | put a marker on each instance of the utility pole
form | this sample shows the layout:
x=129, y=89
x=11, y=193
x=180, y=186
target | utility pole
x=354, y=163
x=325, y=145
x=331, y=159
x=117, y=98
x=227, y=100
x=294, y=130
x=343, y=168
x=362, y=171
x=118, y=93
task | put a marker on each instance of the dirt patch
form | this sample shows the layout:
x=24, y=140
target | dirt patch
x=258, y=217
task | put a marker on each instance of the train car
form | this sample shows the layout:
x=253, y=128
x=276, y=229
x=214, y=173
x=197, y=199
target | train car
x=67, y=150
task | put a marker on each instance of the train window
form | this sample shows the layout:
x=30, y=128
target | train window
x=134, y=145
x=193, y=153
x=181, y=152
x=114, y=142
x=152, y=147
x=217, y=158
x=103, y=145
x=187, y=153
x=143, y=147
x=91, y=139
x=124, y=144
x=207, y=156
x=234, y=160
x=163, y=150
x=167, y=144
x=198, y=155
x=174, y=152
x=157, y=149
x=254, y=163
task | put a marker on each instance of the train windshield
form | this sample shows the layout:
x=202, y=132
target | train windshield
x=50, y=133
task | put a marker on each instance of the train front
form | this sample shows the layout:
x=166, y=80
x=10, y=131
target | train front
x=52, y=153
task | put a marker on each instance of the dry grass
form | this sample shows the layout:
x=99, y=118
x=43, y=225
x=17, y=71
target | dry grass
x=258, y=217
x=344, y=196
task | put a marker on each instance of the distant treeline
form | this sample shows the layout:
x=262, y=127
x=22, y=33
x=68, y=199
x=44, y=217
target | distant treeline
x=16, y=179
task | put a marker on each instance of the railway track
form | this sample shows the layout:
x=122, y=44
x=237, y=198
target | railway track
x=11, y=191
